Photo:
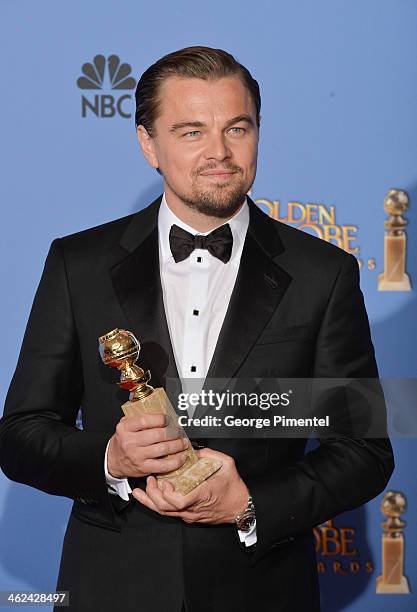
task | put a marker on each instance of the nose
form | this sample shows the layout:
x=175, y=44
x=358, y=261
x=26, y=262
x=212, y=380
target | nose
x=217, y=148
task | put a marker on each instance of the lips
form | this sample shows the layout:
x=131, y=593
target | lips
x=218, y=173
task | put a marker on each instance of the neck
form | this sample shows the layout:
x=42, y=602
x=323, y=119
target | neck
x=195, y=219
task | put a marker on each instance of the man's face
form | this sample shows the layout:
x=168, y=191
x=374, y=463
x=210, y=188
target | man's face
x=205, y=143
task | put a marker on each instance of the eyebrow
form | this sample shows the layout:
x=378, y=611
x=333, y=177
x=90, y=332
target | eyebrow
x=196, y=124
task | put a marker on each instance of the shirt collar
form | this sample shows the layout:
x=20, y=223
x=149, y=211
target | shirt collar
x=166, y=218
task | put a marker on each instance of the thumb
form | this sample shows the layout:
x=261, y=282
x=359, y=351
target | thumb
x=209, y=452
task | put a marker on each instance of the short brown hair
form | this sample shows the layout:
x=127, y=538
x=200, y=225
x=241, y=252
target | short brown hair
x=190, y=62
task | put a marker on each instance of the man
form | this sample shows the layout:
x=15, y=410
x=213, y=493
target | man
x=248, y=297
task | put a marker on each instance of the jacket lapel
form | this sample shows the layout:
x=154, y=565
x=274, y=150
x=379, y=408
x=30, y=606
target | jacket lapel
x=137, y=283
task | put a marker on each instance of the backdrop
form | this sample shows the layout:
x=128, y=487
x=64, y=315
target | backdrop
x=339, y=129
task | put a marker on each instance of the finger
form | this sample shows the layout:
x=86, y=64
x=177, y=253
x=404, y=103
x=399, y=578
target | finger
x=146, y=500
x=181, y=501
x=171, y=447
x=163, y=494
x=157, y=491
x=143, y=498
x=166, y=464
x=167, y=486
x=210, y=453
x=191, y=518
x=194, y=517
x=155, y=494
x=156, y=434
x=144, y=421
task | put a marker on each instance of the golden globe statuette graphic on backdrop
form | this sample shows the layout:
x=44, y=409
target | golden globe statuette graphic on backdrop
x=392, y=579
x=120, y=349
x=394, y=276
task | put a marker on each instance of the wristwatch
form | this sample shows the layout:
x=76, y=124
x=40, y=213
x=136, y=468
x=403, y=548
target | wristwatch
x=247, y=518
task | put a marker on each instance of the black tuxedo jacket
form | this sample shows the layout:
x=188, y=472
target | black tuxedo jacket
x=296, y=311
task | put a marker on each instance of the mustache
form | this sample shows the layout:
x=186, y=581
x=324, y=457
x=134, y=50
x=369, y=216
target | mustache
x=226, y=168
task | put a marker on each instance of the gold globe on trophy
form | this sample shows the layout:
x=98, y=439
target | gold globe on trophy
x=392, y=579
x=120, y=349
x=394, y=276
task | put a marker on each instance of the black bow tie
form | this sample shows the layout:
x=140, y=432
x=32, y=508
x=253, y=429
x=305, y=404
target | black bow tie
x=219, y=243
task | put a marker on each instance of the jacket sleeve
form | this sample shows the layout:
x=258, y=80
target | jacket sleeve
x=40, y=444
x=344, y=471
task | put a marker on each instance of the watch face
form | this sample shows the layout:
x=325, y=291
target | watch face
x=246, y=522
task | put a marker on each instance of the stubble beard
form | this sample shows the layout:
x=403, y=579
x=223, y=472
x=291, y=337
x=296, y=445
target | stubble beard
x=220, y=200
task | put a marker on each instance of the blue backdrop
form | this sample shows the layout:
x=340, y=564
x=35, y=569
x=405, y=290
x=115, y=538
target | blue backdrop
x=339, y=88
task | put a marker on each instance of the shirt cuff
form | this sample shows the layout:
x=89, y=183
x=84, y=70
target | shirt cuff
x=117, y=486
x=248, y=537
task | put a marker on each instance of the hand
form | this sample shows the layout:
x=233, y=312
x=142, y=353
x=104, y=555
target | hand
x=139, y=447
x=219, y=499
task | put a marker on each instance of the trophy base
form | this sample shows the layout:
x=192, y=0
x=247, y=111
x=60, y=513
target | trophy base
x=195, y=470
x=401, y=588
x=388, y=285
x=193, y=476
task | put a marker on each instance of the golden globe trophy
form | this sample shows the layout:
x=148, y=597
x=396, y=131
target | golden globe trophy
x=120, y=349
x=392, y=579
x=394, y=276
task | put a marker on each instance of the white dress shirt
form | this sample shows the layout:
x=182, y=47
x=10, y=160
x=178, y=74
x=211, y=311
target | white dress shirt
x=196, y=294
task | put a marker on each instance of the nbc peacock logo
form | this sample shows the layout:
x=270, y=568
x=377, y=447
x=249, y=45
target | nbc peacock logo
x=106, y=74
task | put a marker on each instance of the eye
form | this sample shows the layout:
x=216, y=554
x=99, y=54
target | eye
x=237, y=130
x=193, y=133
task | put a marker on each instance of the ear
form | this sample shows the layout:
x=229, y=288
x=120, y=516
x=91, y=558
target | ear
x=147, y=144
